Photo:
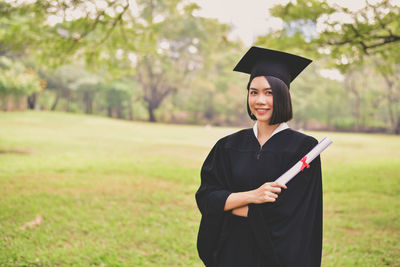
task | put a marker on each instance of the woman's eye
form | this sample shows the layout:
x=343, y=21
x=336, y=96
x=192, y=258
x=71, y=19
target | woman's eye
x=253, y=92
x=269, y=92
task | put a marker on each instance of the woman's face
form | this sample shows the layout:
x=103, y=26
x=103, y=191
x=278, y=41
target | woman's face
x=261, y=99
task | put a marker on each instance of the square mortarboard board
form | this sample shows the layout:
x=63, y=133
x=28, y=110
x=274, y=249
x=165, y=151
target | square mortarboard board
x=266, y=62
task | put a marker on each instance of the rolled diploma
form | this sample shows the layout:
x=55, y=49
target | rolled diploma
x=292, y=172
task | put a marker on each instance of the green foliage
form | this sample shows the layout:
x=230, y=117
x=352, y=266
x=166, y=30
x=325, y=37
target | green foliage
x=161, y=43
x=17, y=79
x=176, y=46
x=319, y=100
x=361, y=43
x=350, y=35
x=302, y=10
x=294, y=43
x=81, y=29
x=157, y=60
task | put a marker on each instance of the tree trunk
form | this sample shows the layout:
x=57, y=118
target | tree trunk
x=357, y=102
x=357, y=106
x=130, y=110
x=32, y=101
x=3, y=102
x=53, y=107
x=88, y=102
x=119, y=112
x=69, y=102
x=90, y=106
x=155, y=91
x=394, y=124
x=150, y=109
x=397, y=128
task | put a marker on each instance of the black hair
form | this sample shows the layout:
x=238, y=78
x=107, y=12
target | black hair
x=282, y=107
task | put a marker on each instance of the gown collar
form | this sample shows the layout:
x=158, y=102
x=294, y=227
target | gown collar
x=281, y=127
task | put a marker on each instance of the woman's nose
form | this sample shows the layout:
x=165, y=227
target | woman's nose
x=261, y=99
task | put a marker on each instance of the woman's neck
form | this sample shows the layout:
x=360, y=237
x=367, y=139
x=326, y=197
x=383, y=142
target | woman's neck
x=265, y=131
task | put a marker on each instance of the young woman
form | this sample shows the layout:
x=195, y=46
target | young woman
x=247, y=218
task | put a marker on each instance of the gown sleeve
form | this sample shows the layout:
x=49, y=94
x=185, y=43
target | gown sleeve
x=295, y=216
x=211, y=198
x=305, y=189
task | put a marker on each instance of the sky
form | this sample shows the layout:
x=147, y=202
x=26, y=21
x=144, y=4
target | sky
x=248, y=19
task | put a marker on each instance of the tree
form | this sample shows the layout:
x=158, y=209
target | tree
x=87, y=86
x=118, y=99
x=159, y=43
x=348, y=37
x=17, y=80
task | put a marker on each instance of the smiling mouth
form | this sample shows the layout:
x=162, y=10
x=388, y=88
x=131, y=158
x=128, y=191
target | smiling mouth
x=262, y=110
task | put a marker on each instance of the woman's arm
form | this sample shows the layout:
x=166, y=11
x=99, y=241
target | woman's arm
x=237, y=202
x=241, y=211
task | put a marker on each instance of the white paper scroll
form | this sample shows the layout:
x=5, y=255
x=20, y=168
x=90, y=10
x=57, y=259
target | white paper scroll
x=292, y=172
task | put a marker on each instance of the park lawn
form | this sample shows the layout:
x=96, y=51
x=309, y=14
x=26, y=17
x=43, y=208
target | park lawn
x=118, y=193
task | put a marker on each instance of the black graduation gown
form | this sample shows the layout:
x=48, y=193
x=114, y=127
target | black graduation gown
x=287, y=232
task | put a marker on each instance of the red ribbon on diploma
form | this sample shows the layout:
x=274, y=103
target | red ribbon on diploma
x=305, y=164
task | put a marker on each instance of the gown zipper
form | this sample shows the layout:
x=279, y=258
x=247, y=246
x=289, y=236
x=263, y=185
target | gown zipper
x=259, y=153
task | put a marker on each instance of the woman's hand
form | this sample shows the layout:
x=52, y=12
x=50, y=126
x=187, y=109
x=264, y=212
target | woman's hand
x=241, y=211
x=268, y=192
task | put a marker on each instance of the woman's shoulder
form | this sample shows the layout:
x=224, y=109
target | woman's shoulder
x=301, y=138
x=301, y=135
x=237, y=139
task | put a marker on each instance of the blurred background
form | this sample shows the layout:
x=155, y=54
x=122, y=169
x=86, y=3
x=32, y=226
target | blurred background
x=171, y=61
x=108, y=109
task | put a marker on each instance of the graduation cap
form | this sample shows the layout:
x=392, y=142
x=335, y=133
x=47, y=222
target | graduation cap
x=266, y=62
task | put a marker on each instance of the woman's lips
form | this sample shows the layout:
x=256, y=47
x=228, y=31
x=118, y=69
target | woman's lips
x=262, y=111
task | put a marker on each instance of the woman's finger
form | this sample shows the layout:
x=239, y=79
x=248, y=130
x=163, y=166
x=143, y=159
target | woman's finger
x=276, y=189
x=275, y=184
x=271, y=195
x=268, y=199
x=272, y=189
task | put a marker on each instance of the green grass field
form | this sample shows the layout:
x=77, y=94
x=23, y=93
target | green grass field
x=117, y=193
